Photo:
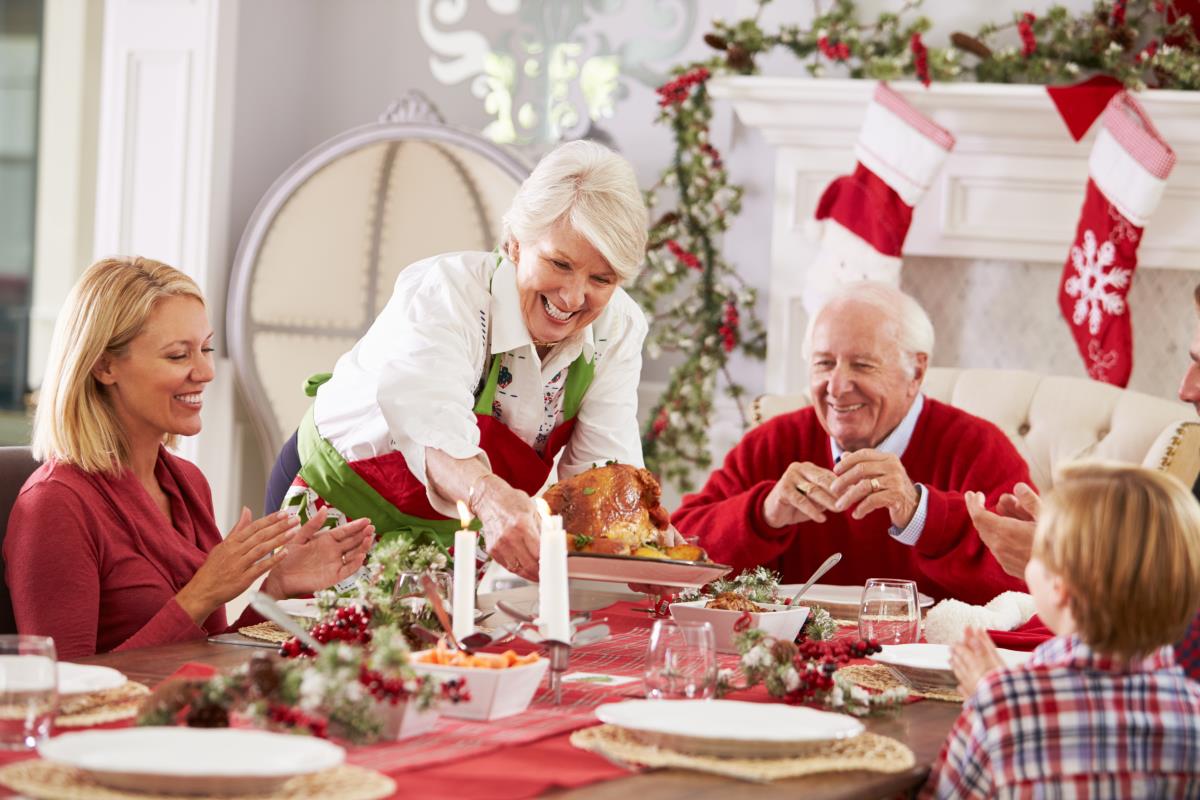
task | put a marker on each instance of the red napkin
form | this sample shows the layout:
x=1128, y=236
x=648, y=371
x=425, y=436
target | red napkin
x=1026, y=637
x=193, y=671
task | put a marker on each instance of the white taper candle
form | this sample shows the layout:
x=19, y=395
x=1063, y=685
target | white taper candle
x=463, y=608
x=554, y=604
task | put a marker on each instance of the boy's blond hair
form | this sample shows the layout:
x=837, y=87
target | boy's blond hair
x=1126, y=542
x=108, y=307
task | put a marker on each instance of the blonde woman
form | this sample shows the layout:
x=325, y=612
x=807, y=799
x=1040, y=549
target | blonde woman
x=111, y=543
x=484, y=367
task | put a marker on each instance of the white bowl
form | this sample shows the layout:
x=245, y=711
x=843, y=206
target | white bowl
x=494, y=693
x=781, y=622
x=192, y=760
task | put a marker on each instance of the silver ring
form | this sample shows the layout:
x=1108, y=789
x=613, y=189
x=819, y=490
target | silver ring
x=875, y=487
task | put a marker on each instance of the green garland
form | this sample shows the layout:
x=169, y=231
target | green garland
x=698, y=305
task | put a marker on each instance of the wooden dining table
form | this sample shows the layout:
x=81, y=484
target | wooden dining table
x=922, y=726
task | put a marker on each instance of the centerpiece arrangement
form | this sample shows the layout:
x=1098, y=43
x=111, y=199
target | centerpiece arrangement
x=754, y=587
x=359, y=692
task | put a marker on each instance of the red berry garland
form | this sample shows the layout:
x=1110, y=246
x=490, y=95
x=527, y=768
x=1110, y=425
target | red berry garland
x=295, y=718
x=1025, y=29
x=674, y=92
x=350, y=624
x=920, y=56
x=816, y=661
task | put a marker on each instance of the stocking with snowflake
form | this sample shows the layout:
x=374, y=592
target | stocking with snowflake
x=1127, y=171
x=862, y=219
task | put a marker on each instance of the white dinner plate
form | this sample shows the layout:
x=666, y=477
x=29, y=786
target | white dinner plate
x=926, y=667
x=192, y=760
x=302, y=607
x=827, y=594
x=729, y=727
x=86, y=678
x=632, y=569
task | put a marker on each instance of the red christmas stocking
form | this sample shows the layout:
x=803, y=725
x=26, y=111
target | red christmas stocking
x=1127, y=170
x=862, y=219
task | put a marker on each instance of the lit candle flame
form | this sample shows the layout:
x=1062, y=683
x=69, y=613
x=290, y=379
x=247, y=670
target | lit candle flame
x=543, y=507
x=464, y=514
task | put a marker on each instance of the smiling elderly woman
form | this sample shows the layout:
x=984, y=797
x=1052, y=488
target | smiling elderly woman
x=872, y=469
x=483, y=367
x=111, y=543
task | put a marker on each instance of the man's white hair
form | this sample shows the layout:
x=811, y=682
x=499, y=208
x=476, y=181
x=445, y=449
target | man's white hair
x=596, y=192
x=913, y=328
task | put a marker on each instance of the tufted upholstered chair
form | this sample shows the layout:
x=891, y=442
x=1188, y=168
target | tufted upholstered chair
x=319, y=256
x=1052, y=419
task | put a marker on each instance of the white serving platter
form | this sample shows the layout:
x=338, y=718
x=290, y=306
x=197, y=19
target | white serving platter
x=729, y=728
x=632, y=569
x=87, y=678
x=926, y=667
x=192, y=760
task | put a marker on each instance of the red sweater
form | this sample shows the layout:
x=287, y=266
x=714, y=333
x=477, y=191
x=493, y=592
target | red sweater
x=950, y=452
x=91, y=561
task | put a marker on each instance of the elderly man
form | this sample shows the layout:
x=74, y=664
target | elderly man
x=873, y=469
x=1008, y=532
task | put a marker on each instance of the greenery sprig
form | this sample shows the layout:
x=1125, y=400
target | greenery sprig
x=700, y=308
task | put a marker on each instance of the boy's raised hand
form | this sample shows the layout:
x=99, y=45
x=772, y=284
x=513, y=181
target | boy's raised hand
x=972, y=658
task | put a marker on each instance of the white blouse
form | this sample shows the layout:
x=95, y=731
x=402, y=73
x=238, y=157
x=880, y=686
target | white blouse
x=409, y=383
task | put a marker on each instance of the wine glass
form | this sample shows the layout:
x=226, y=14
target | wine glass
x=681, y=661
x=889, y=612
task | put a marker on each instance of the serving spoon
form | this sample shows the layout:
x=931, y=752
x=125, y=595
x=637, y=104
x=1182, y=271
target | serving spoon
x=821, y=570
x=439, y=610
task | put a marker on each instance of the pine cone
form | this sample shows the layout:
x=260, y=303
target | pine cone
x=783, y=651
x=669, y=218
x=205, y=714
x=715, y=41
x=263, y=675
x=738, y=58
x=170, y=697
x=970, y=44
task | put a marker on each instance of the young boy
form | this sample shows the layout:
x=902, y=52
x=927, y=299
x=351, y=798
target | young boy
x=1101, y=710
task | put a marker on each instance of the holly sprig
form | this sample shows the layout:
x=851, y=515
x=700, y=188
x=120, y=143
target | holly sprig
x=701, y=310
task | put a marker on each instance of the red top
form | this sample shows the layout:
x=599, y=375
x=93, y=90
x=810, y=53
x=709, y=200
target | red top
x=91, y=561
x=950, y=452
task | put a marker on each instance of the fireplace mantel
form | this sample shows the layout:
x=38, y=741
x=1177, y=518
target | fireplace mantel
x=1011, y=190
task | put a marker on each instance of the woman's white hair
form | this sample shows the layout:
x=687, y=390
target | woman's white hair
x=913, y=328
x=596, y=192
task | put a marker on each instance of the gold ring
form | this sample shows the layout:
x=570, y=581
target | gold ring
x=875, y=487
x=516, y=565
x=804, y=488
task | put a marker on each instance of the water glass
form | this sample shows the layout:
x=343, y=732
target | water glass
x=889, y=612
x=681, y=661
x=411, y=592
x=28, y=690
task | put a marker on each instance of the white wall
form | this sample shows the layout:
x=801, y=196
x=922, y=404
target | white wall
x=308, y=70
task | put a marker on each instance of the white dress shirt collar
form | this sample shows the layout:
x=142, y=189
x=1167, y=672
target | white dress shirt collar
x=897, y=441
x=508, y=324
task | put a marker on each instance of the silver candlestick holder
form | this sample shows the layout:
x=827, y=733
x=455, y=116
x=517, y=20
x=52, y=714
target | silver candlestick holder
x=583, y=632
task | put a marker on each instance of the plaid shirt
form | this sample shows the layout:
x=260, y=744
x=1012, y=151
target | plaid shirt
x=1074, y=724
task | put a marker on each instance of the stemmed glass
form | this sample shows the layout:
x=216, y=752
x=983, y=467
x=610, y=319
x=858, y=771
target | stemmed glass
x=889, y=612
x=681, y=661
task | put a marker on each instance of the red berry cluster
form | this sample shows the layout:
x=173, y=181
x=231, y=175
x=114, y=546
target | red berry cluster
x=1148, y=51
x=920, y=58
x=1118, y=13
x=834, y=51
x=672, y=93
x=817, y=661
x=688, y=259
x=295, y=718
x=1025, y=29
x=729, y=327
x=350, y=624
x=660, y=422
x=1160, y=6
x=712, y=153
x=455, y=690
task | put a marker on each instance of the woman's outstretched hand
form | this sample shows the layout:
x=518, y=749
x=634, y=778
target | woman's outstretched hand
x=511, y=527
x=251, y=549
x=319, y=558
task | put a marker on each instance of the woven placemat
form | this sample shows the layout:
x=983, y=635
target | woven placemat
x=45, y=779
x=266, y=632
x=878, y=676
x=870, y=752
x=96, y=708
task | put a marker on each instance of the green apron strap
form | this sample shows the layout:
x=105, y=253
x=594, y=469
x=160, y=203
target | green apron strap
x=326, y=471
x=315, y=382
x=579, y=378
x=483, y=403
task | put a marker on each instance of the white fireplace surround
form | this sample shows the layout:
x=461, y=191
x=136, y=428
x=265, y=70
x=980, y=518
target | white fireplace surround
x=1011, y=190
